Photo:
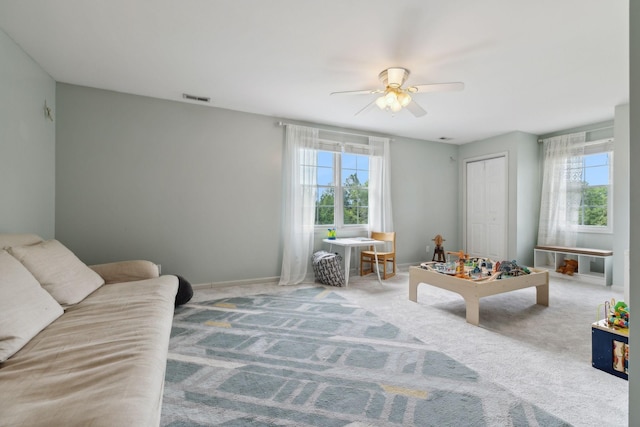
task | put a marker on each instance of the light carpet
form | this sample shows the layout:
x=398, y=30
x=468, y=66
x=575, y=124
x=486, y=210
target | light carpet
x=263, y=355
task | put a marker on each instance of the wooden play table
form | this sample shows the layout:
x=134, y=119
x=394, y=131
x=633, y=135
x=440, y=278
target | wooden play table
x=472, y=291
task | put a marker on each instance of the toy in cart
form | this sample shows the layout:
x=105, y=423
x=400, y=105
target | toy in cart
x=617, y=313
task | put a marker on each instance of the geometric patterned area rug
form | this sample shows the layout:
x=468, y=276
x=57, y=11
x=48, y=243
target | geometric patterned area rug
x=310, y=358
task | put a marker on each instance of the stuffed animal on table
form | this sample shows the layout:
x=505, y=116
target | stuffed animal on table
x=438, y=252
x=570, y=266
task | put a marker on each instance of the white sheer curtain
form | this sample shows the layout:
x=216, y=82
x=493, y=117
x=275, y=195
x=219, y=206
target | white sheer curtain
x=561, y=189
x=299, y=195
x=380, y=213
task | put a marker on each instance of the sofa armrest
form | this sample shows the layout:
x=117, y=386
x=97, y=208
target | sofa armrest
x=126, y=271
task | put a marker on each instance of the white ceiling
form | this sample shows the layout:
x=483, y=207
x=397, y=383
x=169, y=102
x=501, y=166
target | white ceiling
x=536, y=66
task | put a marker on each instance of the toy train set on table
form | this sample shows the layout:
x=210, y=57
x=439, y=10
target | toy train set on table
x=477, y=269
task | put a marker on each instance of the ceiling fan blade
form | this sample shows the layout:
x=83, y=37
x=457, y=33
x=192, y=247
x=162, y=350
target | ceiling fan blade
x=416, y=109
x=366, y=107
x=436, y=87
x=358, y=92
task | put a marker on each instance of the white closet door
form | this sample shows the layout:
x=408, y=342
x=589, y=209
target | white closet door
x=486, y=208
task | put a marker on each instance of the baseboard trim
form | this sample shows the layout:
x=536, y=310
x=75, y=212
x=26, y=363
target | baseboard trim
x=266, y=280
x=276, y=279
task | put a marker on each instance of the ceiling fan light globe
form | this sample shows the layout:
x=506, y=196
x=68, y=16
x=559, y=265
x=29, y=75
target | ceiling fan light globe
x=391, y=98
x=395, y=107
x=404, y=99
x=381, y=102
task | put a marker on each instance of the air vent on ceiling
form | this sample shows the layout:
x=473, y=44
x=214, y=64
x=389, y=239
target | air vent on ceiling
x=196, y=98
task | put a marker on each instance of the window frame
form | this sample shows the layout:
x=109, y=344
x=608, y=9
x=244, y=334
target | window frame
x=599, y=147
x=338, y=208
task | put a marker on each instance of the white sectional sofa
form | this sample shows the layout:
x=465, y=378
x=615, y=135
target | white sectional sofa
x=80, y=346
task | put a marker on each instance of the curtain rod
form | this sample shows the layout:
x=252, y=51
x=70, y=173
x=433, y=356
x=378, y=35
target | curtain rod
x=335, y=131
x=585, y=131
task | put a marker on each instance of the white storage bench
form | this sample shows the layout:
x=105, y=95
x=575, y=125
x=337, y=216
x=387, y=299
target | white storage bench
x=594, y=265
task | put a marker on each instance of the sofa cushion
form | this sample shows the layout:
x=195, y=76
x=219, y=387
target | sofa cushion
x=126, y=271
x=26, y=308
x=14, y=239
x=58, y=270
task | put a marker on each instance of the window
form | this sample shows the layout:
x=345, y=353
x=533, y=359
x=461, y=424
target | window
x=594, y=169
x=347, y=202
x=596, y=188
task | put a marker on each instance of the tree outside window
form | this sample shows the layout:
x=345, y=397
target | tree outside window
x=596, y=190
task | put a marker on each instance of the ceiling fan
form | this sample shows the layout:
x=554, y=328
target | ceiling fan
x=394, y=97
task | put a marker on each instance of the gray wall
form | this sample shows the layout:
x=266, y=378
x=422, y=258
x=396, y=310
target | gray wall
x=528, y=196
x=27, y=144
x=198, y=189
x=523, y=188
x=424, y=179
x=634, y=247
x=621, y=189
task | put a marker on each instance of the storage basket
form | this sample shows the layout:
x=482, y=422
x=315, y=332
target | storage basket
x=327, y=268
